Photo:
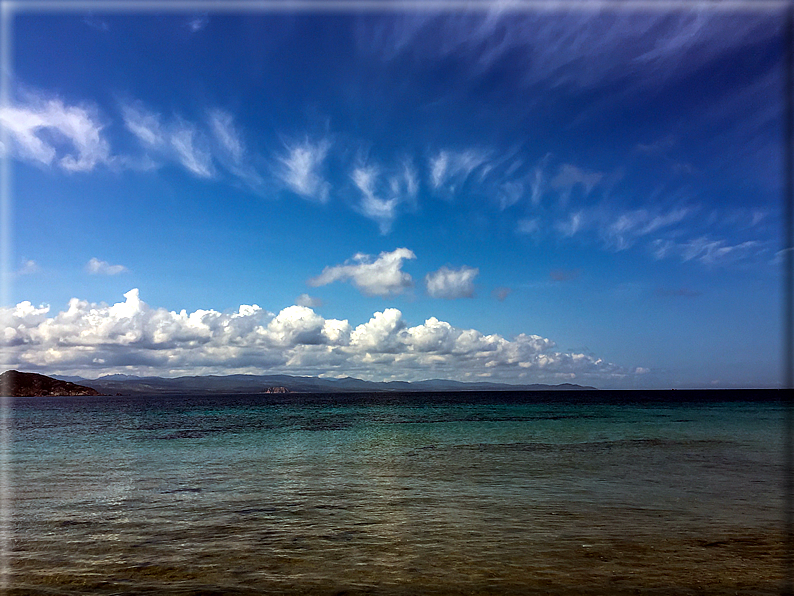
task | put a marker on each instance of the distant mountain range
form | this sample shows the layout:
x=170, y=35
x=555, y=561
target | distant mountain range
x=130, y=385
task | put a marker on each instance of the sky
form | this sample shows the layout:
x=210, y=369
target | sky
x=497, y=194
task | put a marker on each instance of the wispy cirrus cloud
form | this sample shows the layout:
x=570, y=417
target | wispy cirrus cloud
x=379, y=277
x=572, y=48
x=570, y=176
x=131, y=336
x=96, y=23
x=301, y=169
x=28, y=267
x=383, y=194
x=198, y=22
x=449, y=170
x=191, y=149
x=623, y=231
x=451, y=283
x=97, y=267
x=706, y=250
x=232, y=151
x=178, y=140
x=50, y=132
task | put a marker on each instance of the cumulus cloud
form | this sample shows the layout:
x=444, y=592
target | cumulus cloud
x=51, y=132
x=130, y=336
x=382, y=277
x=97, y=267
x=301, y=169
x=310, y=301
x=451, y=283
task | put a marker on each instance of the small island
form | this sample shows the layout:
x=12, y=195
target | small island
x=277, y=390
x=18, y=384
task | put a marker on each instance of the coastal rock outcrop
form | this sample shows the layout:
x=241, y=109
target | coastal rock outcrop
x=277, y=390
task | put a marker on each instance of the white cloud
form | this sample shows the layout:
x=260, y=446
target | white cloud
x=380, y=210
x=572, y=225
x=232, y=151
x=190, y=148
x=510, y=193
x=97, y=267
x=528, y=226
x=301, y=169
x=451, y=283
x=621, y=233
x=222, y=126
x=50, y=132
x=569, y=177
x=198, y=23
x=310, y=301
x=382, y=195
x=143, y=124
x=196, y=146
x=450, y=169
x=381, y=334
x=179, y=141
x=381, y=277
x=706, y=250
x=571, y=48
x=130, y=336
x=96, y=23
x=29, y=267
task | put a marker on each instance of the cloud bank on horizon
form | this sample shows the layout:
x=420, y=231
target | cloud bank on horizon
x=132, y=337
x=608, y=178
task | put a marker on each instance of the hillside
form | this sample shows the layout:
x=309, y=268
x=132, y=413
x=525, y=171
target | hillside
x=19, y=384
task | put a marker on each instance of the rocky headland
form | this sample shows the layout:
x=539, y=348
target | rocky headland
x=18, y=384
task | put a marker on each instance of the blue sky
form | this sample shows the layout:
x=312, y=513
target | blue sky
x=566, y=196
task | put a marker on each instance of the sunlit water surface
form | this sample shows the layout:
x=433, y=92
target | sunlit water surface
x=514, y=493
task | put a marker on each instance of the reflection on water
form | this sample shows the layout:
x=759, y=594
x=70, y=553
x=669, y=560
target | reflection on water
x=301, y=494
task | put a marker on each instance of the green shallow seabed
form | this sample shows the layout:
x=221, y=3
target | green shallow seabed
x=241, y=497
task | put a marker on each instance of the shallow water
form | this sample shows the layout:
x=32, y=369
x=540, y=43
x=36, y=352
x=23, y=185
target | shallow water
x=398, y=494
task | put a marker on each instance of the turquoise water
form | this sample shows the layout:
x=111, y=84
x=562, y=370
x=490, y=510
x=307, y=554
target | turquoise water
x=460, y=493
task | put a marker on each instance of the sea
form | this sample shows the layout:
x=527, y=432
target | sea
x=575, y=492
